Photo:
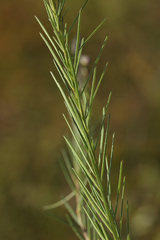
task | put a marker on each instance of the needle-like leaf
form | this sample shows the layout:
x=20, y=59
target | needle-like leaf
x=60, y=203
x=76, y=18
x=77, y=39
x=119, y=187
x=128, y=232
x=95, y=225
x=121, y=216
x=95, y=63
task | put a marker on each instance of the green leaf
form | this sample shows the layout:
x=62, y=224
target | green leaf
x=90, y=201
x=100, y=80
x=119, y=187
x=94, y=31
x=121, y=216
x=59, y=203
x=79, y=56
x=60, y=7
x=95, y=63
x=57, y=62
x=95, y=225
x=128, y=232
x=91, y=96
x=83, y=167
x=109, y=173
x=101, y=143
x=78, y=144
x=76, y=17
x=71, y=211
x=77, y=40
x=107, y=236
x=103, y=119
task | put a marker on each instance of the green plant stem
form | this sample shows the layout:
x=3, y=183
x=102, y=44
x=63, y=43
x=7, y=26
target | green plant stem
x=93, y=199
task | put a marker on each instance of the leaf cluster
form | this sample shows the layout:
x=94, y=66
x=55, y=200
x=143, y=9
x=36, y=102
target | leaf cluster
x=88, y=174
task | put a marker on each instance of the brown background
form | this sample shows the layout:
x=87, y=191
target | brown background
x=32, y=126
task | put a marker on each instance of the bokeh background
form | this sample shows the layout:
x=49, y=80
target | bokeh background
x=32, y=126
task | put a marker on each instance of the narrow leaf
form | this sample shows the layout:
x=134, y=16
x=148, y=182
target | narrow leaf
x=101, y=144
x=79, y=56
x=77, y=17
x=98, y=230
x=77, y=40
x=128, y=232
x=100, y=80
x=79, y=146
x=71, y=211
x=102, y=124
x=121, y=216
x=95, y=63
x=59, y=203
x=106, y=235
x=109, y=170
x=90, y=201
x=56, y=60
x=83, y=167
x=91, y=96
x=94, y=31
x=61, y=6
x=119, y=187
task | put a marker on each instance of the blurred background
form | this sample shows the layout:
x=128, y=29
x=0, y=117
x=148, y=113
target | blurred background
x=31, y=107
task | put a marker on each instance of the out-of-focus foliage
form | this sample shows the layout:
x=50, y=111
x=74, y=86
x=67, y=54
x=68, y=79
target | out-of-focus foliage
x=32, y=124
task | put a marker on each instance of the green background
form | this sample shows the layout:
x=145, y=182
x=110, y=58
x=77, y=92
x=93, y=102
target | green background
x=32, y=126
